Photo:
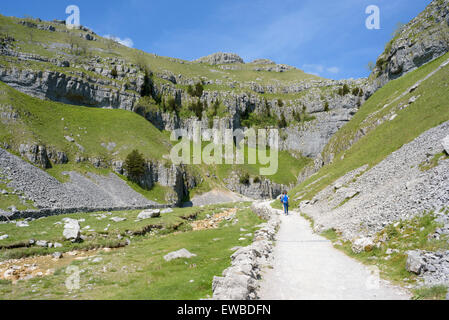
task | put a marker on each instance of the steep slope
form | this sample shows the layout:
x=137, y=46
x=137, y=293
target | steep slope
x=395, y=115
x=423, y=39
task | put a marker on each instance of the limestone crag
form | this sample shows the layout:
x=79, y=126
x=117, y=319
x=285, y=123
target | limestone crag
x=255, y=189
x=220, y=58
x=423, y=39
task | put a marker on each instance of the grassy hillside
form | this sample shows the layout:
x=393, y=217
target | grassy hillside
x=429, y=110
x=51, y=44
x=49, y=123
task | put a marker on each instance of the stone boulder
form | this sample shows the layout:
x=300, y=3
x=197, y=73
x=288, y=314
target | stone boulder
x=233, y=287
x=183, y=253
x=415, y=263
x=72, y=230
x=445, y=143
x=147, y=214
x=362, y=244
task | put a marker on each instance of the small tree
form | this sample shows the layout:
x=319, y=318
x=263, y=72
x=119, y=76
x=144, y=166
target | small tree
x=326, y=106
x=199, y=89
x=171, y=105
x=197, y=108
x=190, y=90
x=114, y=72
x=135, y=165
x=244, y=178
x=280, y=103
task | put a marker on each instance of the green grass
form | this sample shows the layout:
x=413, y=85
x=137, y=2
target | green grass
x=139, y=271
x=49, y=122
x=48, y=229
x=428, y=111
x=431, y=293
x=38, y=42
x=10, y=199
x=433, y=162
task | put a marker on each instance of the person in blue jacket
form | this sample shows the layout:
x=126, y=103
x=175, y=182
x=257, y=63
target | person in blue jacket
x=284, y=200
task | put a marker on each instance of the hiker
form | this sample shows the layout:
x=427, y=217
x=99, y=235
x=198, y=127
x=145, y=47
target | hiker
x=284, y=200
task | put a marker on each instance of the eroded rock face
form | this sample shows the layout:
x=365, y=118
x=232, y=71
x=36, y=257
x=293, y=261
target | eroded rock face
x=261, y=189
x=423, y=39
x=220, y=58
x=68, y=89
x=36, y=154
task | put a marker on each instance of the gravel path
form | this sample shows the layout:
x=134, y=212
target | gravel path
x=306, y=266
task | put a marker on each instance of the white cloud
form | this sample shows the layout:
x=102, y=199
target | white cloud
x=333, y=70
x=128, y=42
x=318, y=69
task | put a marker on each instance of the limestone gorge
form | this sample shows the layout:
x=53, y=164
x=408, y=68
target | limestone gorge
x=86, y=176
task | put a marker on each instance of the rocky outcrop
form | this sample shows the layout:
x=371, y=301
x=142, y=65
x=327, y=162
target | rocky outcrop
x=239, y=282
x=64, y=88
x=176, y=178
x=220, y=58
x=255, y=188
x=432, y=267
x=36, y=154
x=423, y=39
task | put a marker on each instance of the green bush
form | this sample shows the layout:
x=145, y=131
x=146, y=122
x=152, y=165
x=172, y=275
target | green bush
x=135, y=165
x=197, y=108
x=344, y=90
x=326, y=106
x=257, y=179
x=114, y=73
x=280, y=103
x=197, y=91
x=244, y=178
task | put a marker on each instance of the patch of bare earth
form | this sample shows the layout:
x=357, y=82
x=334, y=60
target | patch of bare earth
x=214, y=221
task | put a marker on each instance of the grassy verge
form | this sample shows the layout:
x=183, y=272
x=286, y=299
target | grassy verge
x=97, y=227
x=139, y=270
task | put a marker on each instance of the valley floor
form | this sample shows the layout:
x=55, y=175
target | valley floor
x=307, y=266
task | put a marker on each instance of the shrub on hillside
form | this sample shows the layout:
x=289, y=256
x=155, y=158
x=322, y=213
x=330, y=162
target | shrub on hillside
x=197, y=108
x=196, y=91
x=244, y=178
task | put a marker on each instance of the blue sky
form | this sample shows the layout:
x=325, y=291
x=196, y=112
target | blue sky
x=325, y=37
